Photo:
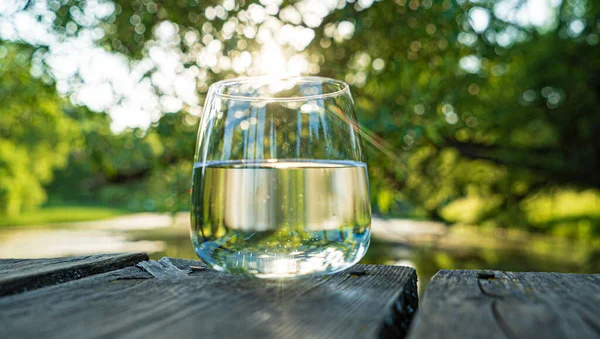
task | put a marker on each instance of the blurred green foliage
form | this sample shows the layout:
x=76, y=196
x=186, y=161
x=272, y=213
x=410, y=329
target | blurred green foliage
x=135, y=169
x=35, y=135
x=494, y=126
x=522, y=123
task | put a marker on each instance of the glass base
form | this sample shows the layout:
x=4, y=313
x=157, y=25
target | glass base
x=268, y=264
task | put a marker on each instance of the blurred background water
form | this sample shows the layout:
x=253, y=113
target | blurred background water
x=480, y=119
x=427, y=246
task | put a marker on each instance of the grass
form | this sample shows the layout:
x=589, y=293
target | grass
x=61, y=214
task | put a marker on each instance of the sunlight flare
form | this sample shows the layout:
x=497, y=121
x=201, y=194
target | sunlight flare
x=272, y=61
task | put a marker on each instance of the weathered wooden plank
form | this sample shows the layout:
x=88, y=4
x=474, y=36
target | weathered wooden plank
x=163, y=269
x=18, y=275
x=364, y=302
x=495, y=304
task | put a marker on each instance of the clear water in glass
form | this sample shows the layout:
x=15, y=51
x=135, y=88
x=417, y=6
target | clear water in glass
x=280, y=185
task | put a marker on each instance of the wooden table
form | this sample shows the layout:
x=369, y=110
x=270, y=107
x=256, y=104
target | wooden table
x=495, y=304
x=127, y=296
x=107, y=296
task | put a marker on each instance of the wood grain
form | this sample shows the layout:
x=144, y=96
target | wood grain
x=18, y=275
x=365, y=301
x=495, y=304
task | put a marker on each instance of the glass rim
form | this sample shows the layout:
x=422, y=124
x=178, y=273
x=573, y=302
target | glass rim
x=266, y=80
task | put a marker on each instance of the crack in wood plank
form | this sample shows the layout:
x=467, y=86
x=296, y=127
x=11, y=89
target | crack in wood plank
x=486, y=293
x=21, y=275
x=508, y=332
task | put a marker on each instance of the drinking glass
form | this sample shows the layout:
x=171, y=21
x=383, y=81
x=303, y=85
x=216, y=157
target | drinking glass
x=280, y=186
